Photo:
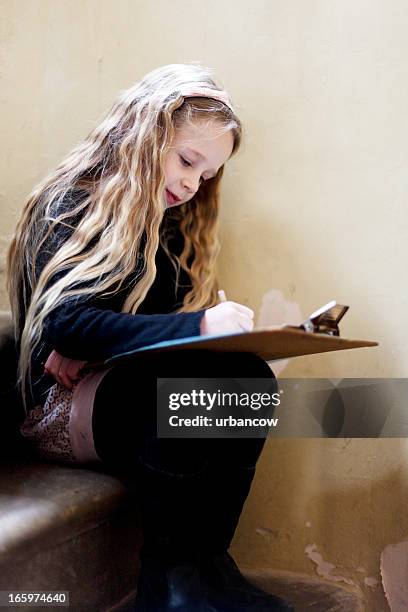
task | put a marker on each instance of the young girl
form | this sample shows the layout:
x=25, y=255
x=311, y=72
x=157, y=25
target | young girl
x=114, y=250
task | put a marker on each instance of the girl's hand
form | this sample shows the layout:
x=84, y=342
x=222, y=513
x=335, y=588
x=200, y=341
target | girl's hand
x=227, y=317
x=64, y=370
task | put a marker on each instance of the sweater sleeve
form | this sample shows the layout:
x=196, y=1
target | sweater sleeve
x=93, y=334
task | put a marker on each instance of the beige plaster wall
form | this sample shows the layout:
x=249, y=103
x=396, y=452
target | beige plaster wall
x=314, y=206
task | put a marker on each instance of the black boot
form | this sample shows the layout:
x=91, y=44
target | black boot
x=166, y=586
x=227, y=589
x=188, y=523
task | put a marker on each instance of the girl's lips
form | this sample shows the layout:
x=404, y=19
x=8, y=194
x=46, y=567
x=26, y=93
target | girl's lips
x=171, y=198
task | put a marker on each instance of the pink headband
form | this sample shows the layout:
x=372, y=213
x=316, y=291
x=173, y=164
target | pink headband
x=207, y=92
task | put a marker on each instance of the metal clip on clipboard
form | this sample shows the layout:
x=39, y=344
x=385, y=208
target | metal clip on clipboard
x=326, y=319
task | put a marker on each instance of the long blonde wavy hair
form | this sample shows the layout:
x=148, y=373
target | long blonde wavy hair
x=120, y=168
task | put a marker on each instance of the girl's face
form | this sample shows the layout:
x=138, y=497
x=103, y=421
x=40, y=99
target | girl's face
x=197, y=153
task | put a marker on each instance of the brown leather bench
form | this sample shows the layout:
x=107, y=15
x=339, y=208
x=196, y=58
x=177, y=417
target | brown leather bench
x=62, y=527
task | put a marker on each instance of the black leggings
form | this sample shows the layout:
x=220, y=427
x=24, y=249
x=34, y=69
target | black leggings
x=191, y=491
x=125, y=422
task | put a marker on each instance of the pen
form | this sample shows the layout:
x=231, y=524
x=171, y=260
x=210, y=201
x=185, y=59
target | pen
x=222, y=296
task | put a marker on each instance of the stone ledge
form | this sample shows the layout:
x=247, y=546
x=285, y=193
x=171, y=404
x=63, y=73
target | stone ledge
x=308, y=594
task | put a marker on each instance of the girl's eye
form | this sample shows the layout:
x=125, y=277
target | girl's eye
x=187, y=163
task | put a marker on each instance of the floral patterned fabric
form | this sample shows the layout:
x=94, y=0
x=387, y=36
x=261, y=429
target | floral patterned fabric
x=47, y=427
x=62, y=428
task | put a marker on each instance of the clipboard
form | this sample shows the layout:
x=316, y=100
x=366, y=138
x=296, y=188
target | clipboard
x=318, y=334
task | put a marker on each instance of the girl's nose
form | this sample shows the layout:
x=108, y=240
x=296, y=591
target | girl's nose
x=190, y=184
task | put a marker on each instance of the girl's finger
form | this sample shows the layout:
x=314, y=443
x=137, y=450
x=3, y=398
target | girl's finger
x=73, y=368
x=62, y=377
x=245, y=323
x=53, y=364
x=244, y=310
x=56, y=366
x=70, y=371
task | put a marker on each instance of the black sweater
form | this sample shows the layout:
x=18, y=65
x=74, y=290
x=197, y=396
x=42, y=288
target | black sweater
x=93, y=328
